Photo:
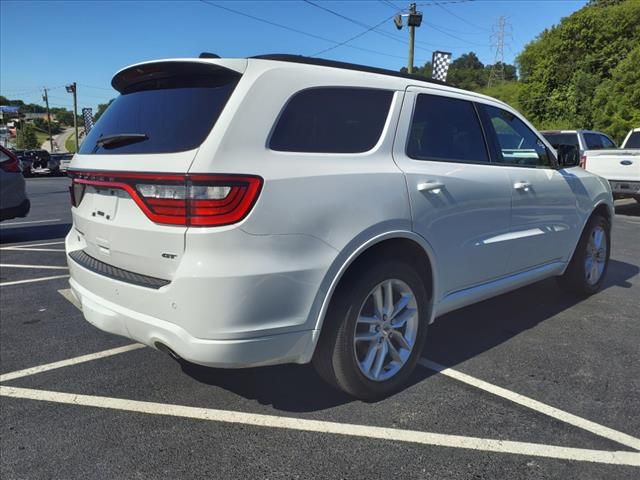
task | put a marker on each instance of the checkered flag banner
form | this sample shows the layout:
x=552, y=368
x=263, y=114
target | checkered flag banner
x=440, y=65
x=87, y=114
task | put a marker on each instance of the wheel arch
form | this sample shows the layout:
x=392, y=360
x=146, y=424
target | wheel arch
x=407, y=242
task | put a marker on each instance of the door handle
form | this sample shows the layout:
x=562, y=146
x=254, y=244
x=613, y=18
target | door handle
x=435, y=187
x=522, y=186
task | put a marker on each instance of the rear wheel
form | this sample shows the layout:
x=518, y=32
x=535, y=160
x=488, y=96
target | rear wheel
x=374, y=330
x=588, y=266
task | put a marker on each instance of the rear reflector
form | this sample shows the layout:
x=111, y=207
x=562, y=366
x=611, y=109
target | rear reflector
x=201, y=200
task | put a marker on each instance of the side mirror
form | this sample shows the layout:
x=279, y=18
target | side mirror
x=568, y=156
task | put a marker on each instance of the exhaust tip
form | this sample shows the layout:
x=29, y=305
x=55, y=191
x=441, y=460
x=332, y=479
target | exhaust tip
x=163, y=348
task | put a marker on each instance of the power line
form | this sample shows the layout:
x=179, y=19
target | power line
x=98, y=88
x=295, y=30
x=352, y=38
x=461, y=18
x=369, y=28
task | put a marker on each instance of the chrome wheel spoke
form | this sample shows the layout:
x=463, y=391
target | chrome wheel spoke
x=366, y=336
x=402, y=319
x=370, y=357
x=401, y=305
x=393, y=351
x=399, y=338
x=388, y=298
x=378, y=302
x=380, y=358
x=368, y=320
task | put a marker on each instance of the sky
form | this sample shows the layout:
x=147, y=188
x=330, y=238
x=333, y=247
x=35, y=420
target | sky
x=53, y=43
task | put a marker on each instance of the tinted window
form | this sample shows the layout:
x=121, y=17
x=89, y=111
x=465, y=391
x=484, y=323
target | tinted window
x=175, y=116
x=606, y=142
x=557, y=139
x=633, y=141
x=593, y=141
x=446, y=129
x=332, y=120
x=517, y=144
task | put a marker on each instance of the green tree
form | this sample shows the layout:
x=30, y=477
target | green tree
x=567, y=70
x=26, y=138
x=101, y=109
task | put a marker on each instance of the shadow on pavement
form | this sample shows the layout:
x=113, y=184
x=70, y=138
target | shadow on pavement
x=454, y=338
x=631, y=209
x=20, y=234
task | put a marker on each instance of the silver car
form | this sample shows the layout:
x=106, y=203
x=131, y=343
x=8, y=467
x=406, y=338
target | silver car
x=13, y=197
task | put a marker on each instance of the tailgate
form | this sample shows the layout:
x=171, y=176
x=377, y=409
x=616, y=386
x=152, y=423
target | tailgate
x=129, y=176
x=615, y=165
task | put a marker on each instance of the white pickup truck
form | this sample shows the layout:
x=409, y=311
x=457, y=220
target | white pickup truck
x=621, y=166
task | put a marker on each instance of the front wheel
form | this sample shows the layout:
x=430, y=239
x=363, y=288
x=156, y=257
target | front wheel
x=588, y=266
x=374, y=330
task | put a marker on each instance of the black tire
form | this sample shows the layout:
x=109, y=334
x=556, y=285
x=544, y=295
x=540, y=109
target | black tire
x=335, y=357
x=574, y=278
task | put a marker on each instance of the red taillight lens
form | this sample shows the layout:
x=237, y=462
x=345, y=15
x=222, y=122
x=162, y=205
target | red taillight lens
x=583, y=162
x=12, y=164
x=192, y=200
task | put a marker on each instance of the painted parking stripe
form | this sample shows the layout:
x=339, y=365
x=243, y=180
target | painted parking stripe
x=32, y=280
x=12, y=247
x=32, y=221
x=600, y=430
x=43, y=267
x=67, y=363
x=66, y=293
x=318, y=426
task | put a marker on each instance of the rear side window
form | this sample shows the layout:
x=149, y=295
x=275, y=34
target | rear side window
x=162, y=115
x=332, y=120
x=633, y=141
x=557, y=139
x=446, y=129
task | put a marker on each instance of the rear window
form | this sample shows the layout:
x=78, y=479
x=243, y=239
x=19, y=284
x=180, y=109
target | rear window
x=633, y=141
x=332, y=120
x=557, y=139
x=164, y=112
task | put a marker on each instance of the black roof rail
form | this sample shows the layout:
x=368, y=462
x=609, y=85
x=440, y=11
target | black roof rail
x=283, y=57
x=208, y=55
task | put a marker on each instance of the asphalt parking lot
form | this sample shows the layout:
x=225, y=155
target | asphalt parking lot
x=532, y=384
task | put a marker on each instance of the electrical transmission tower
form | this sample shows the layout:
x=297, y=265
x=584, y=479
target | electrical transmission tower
x=500, y=31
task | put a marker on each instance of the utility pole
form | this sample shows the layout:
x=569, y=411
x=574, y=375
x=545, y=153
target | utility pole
x=412, y=36
x=45, y=97
x=414, y=19
x=73, y=88
x=497, y=70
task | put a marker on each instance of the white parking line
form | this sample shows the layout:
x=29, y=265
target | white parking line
x=600, y=430
x=304, y=425
x=32, y=280
x=32, y=221
x=66, y=293
x=11, y=247
x=67, y=363
x=42, y=267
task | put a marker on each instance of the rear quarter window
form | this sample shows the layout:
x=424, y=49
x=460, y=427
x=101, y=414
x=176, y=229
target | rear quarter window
x=332, y=120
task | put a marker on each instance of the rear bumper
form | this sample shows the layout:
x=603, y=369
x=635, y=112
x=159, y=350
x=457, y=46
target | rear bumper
x=625, y=188
x=234, y=300
x=13, y=212
x=246, y=352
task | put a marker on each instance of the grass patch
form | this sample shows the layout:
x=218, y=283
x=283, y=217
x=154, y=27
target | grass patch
x=70, y=143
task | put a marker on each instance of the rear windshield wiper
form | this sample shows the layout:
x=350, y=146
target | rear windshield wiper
x=120, y=139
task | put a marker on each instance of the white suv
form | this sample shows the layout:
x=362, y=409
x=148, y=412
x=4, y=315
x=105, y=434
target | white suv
x=277, y=209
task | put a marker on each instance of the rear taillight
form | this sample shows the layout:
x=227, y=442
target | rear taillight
x=583, y=162
x=193, y=200
x=12, y=164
